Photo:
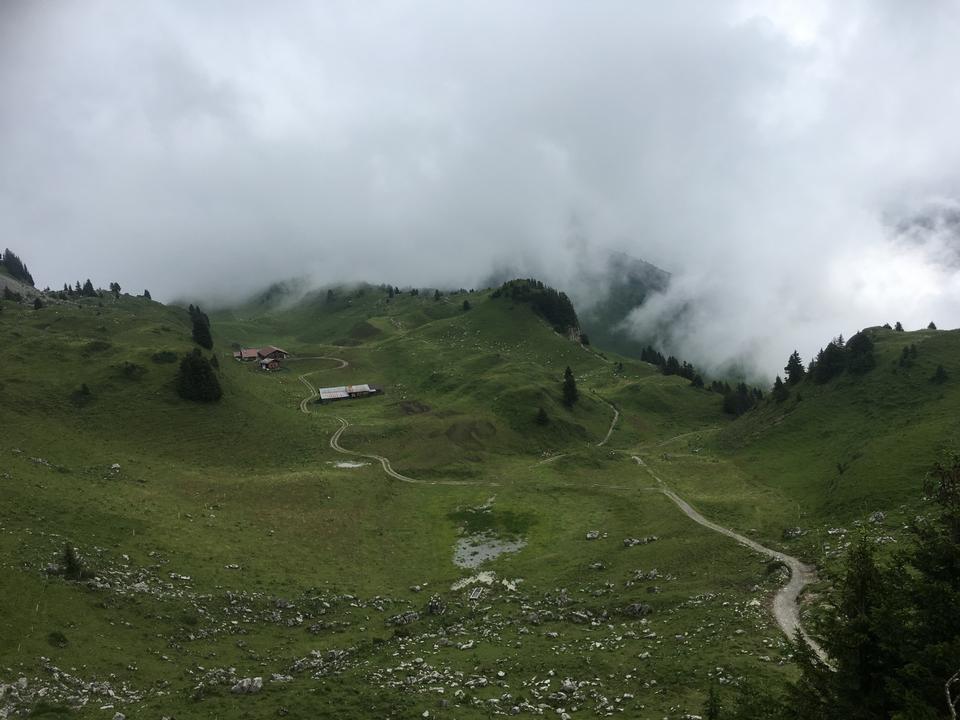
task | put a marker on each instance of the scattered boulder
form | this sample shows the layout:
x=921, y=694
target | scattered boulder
x=404, y=618
x=593, y=534
x=248, y=686
x=878, y=517
x=637, y=610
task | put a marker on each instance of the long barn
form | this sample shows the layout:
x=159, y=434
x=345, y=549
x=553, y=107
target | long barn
x=346, y=392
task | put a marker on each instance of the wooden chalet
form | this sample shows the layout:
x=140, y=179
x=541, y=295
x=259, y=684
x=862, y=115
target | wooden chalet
x=268, y=357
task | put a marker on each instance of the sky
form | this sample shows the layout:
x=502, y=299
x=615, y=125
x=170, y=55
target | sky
x=794, y=165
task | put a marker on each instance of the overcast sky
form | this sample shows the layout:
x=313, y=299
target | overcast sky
x=795, y=165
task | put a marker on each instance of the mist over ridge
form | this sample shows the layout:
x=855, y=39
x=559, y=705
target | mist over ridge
x=793, y=169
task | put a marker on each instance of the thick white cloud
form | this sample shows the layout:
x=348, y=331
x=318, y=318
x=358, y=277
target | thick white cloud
x=765, y=152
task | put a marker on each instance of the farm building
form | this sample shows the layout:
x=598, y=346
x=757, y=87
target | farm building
x=269, y=363
x=346, y=392
x=270, y=352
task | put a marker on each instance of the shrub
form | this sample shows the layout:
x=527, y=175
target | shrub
x=164, y=357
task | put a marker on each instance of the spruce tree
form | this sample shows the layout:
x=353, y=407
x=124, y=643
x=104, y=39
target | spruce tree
x=146, y=295
x=197, y=379
x=794, y=369
x=780, y=392
x=201, y=327
x=898, y=327
x=570, y=392
x=859, y=350
x=466, y=305
x=88, y=290
x=931, y=326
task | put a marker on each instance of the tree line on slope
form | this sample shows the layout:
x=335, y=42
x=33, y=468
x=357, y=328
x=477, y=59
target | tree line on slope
x=15, y=266
x=550, y=304
x=737, y=399
x=855, y=356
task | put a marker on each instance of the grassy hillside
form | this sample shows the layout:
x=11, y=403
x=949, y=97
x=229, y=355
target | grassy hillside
x=231, y=541
x=859, y=442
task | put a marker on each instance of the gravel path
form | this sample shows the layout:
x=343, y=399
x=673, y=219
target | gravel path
x=335, y=438
x=613, y=423
x=786, y=607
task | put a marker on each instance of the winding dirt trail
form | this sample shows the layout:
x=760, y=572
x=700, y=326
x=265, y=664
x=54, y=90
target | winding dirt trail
x=385, y=462
x=786, y=607
x=335, y=438
x=613, y=423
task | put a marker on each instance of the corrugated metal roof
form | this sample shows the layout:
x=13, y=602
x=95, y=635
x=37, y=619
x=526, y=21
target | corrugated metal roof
x=334, y=394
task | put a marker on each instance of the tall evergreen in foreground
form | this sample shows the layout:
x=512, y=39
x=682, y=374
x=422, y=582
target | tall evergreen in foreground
x=570, y=392
x=197, y=379
x=894, y=635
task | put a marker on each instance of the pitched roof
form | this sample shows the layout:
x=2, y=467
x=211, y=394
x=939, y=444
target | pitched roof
x=244, y=353
x=271, y=348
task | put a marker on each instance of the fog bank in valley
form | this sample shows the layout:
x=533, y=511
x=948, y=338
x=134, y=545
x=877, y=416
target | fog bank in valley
x=793, y=165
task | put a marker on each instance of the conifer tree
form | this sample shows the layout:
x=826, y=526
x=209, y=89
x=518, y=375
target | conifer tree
x=146, y=295
x=197, y=379
x=542, y=417
x=859, y=350
x=940, y=376
x=780, y=392
x=88, y=290
x=931, y=326
x=466, y=305
x=898, y=327
x=201, y=327
x=37, y=303
x=570, y=392
x=794, y=369
x=15, y=267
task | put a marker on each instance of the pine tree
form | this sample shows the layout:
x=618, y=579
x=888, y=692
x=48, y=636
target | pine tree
x=859, y=350
x=37, y=303
x=197, y=379
x=794, y=369
x=146, y=295
x=898, y=327
x=570, y=392
x=466, y=305
x=931, y=326
x=88, y=290
x=940, y=376
x=780, y=392
x=201, y=327
x=16, y=268
x=436, y=295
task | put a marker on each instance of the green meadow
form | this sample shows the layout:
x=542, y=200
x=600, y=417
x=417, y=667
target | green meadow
x=230, y=541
